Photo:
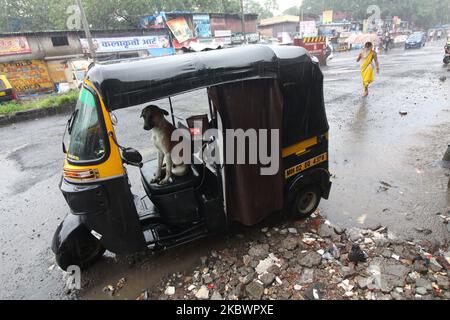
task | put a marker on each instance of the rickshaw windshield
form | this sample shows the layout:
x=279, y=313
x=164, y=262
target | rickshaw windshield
x=87, y=139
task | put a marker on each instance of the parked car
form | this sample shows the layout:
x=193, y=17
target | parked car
x=416, y=40
x=7, y=92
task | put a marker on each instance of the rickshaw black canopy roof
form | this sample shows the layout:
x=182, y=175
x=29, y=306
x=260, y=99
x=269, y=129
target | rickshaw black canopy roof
x=126, y=84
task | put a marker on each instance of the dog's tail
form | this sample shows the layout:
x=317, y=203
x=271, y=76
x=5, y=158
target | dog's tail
x=181, y=170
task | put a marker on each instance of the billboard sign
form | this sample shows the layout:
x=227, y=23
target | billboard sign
x=202, y=25
x=28, y=76
x=180, y=29
x=156, y=44
x=327, y=16
x=14, y=45
x=308, y=29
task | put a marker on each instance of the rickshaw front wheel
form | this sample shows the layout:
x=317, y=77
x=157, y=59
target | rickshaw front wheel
x=306, y=202
x=82, y=249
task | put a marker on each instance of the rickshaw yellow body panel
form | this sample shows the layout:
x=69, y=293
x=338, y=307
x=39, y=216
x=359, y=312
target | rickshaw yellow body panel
x=109, y=169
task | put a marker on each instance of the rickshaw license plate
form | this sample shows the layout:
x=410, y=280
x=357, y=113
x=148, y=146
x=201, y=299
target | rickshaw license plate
x=306, y=165
x=2, y=93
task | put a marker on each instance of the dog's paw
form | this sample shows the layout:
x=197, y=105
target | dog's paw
x=164, y=182
x=155, y=180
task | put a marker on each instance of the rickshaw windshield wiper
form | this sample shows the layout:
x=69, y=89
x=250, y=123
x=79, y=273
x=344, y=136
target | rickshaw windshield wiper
x=72, y=121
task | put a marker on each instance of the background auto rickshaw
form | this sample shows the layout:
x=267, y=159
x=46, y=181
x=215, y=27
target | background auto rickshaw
x=7, y=92
x=251, y=87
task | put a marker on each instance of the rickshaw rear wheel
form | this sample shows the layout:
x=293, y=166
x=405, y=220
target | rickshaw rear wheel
x=306, y=202
x=82, y=249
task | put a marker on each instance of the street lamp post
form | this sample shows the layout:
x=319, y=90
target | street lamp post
x=87, y=30
x=243, y=18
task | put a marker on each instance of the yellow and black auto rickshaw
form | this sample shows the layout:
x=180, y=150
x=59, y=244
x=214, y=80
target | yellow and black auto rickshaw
x=7, y=92
x=277, y=89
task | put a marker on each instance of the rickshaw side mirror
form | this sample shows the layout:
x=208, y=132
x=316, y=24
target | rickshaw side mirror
x=132, y=156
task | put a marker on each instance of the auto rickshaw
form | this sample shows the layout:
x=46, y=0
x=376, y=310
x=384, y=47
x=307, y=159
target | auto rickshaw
x=250, y=87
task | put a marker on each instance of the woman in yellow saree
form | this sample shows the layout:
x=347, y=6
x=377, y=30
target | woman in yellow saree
x=368, y=56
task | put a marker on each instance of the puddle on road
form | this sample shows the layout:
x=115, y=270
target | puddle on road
x=150, y=268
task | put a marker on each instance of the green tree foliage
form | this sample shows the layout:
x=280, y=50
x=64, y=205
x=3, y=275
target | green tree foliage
x=423, y=13
x=34, y=15
x=264, y=9
x=292, y=11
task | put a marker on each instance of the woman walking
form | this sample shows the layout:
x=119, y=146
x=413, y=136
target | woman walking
x=368, y=56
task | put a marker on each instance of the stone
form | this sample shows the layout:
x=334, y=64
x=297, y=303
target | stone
x=348, y=272
x=311, y=259
x=202, y=293
x=435, y=266
x=259, y=251
x=423, y=230
x=325, y=231
x=363, y=282
x=421, y=282
x=307, y=276
x=354, y=235
x=387, y=274
x=267, y=279
x=315, y=292
x=275, y=270
x=246, y=260
x=293, y=231
x=290, y=244
x=386, y=253
x=255, y=290
x=442, y=281
x=288, y=255
x=346, y=286
x=216, y=296
x=419, y=266
x=381, y=242
x=339, y=230
x=170, y=291
x=265, y=264
x=247, y=279
x=421, y=290
x=191, y=287
x=399, y=290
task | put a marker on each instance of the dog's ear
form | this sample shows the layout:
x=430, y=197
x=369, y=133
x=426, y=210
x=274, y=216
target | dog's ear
x=164, y=112
x=144, y=111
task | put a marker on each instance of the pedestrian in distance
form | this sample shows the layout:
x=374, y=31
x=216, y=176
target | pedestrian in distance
x=368, y=57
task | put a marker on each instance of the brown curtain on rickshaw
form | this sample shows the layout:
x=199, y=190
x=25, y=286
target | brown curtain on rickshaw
x=256, y=104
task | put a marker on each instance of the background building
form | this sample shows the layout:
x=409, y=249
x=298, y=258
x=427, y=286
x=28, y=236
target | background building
x=273, y=27
x=36, y=62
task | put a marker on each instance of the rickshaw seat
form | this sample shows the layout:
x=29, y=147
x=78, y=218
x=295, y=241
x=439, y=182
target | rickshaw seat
x=190, y=180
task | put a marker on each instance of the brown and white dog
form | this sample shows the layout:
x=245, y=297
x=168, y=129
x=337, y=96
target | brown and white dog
x=162, y=132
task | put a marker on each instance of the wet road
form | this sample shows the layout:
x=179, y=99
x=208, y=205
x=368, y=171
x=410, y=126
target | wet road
x=386, y=168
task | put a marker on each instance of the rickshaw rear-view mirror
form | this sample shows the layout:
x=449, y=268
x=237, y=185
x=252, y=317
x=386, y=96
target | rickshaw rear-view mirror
x=132, y=156
x=114, y=119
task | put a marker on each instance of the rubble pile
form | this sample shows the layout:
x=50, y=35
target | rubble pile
x=316, y=261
